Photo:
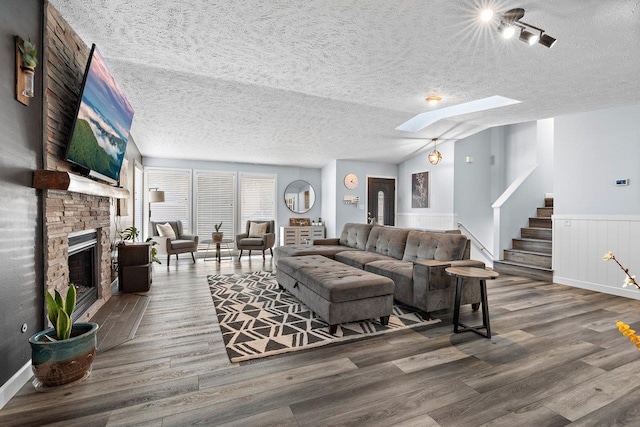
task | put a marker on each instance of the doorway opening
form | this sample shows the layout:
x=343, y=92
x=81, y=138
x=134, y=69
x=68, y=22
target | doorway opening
x=381, y=200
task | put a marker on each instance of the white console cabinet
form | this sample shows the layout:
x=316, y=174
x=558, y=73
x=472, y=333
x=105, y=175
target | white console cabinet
x=300, y=235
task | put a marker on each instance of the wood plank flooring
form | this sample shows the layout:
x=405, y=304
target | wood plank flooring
x=556, y=358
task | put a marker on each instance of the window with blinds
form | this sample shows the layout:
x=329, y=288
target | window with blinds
x=258, y=197
x=138, y=199
x=215, y=203
x=176, y=184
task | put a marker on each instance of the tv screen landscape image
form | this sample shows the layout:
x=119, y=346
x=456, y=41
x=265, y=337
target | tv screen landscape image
x=101, y=130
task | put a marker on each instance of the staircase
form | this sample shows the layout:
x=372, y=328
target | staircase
x=530, y=255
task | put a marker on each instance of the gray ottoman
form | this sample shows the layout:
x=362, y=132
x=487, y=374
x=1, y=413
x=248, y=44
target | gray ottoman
x=336, y=292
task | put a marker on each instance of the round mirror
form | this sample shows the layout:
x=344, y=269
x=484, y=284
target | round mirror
x=299, y=196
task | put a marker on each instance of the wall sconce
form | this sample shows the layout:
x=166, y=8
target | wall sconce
x=26, y=62
x=155, y=196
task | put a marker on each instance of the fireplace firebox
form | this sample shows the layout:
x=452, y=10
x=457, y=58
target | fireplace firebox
x=83, y=268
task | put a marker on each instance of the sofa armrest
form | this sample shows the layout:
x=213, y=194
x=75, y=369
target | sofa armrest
x=270, y=240
x=468, y=263
x=433, y=263
x=329, y=241
x=189, y=237
x=241, y=236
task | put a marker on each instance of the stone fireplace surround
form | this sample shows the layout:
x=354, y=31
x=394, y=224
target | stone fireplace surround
x=65, y=56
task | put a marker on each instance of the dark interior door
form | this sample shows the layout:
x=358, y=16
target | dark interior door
x=381, y=200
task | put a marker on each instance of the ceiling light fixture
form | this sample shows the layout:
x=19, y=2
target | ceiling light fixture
x=486, y=15
x=511, y=20
x=433, y=100
x=434, y=156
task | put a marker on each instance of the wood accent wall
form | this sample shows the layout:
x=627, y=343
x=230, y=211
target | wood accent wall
x=65, y=56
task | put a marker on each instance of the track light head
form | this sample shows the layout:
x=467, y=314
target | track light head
x=506, y=30
x=528, y=37
x=547, y=41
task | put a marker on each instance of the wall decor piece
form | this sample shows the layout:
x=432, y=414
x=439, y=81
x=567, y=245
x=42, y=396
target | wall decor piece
x=420, y=190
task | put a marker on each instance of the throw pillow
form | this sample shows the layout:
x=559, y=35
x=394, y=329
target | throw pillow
x=257, y=229
x=165, y=230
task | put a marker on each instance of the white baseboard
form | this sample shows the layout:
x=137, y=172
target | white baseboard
x=15, y=383
x=621, y=292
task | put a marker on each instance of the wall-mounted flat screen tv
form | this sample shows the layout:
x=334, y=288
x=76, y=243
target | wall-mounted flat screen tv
x=103, y=119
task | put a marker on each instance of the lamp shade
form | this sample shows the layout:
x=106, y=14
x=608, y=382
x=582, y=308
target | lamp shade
x=156, y=196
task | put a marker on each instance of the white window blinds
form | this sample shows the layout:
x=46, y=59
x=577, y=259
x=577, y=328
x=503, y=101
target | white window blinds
x=215, y=203
x=138, y=199
x=258, y=197
x=176, y=185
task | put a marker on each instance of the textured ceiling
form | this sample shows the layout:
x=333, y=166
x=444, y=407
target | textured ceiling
x=303, y=83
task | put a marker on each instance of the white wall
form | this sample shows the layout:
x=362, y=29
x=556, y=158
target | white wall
x=593, y=150
x=285, y=175
x=591, y=214
x=474, y=183
x=329, y=196
x=349, y=213
x=439, y=214
x=520, y=149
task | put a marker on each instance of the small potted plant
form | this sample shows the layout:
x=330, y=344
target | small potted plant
x=217, y=235
x=64, y=353
x=29, y=63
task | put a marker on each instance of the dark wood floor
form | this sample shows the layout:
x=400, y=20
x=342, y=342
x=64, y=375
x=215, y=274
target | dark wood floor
x=556, y=358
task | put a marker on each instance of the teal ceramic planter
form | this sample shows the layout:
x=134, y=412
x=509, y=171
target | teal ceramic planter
x=56, y=363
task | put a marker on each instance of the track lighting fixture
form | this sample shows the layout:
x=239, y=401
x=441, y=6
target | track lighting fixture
x=511, y=22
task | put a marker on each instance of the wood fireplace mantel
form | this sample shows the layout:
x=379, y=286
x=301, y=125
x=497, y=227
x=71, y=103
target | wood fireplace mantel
x=59, y=180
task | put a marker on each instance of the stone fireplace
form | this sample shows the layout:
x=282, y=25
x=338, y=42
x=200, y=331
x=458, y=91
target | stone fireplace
x=73, y=213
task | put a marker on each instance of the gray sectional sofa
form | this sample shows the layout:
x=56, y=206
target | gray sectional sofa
x=415, y=260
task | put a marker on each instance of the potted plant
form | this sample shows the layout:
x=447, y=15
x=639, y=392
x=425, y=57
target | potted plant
x=217, y=235
x=64, y=353
x=29, y=63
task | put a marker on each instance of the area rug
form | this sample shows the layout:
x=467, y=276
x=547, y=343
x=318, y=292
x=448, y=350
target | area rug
x=259, y=319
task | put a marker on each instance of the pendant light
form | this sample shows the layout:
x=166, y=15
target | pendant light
x=435, y=156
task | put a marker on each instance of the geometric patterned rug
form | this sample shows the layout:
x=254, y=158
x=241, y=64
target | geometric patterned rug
x=259, y=319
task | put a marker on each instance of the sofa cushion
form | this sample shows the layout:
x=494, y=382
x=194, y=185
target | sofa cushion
x=359, y=259
x=355, y=235
x=335, y=281
x=389, y=241
x=401, y=272
x=423, y=245
x=252, y=241
x=165, y=230
x=328, y=251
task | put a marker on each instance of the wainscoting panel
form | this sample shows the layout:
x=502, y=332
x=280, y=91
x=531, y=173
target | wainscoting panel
x=428, y=221
x=580, y=242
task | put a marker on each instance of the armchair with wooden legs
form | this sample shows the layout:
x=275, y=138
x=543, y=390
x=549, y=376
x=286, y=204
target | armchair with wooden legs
x=259, y=236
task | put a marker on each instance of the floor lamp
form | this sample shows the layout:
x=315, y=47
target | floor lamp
x=155, y=196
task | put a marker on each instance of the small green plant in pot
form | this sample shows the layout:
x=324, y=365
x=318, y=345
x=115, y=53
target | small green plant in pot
x=64, y=353
x=217, y=235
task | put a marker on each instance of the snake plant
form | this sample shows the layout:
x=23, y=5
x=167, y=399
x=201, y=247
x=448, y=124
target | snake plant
x=59, y=312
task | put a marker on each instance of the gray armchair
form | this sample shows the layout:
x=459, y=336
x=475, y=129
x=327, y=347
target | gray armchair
x=262, y=243
x=181, y=244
